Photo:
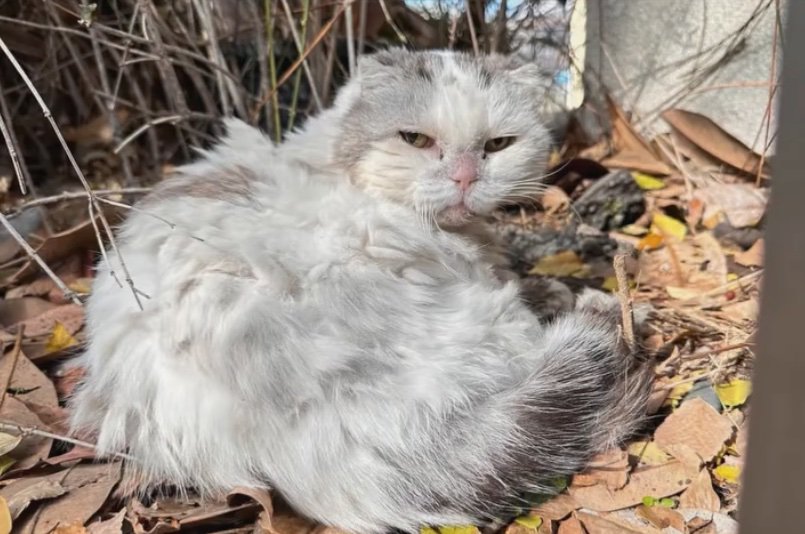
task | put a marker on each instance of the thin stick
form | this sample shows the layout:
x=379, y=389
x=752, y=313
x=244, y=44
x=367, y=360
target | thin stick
x=72, y=195
x=12, y=153
x=300, y=49
x=15, y=356
x=74, y=164
x=626, y=301
x=350, y=36
x=386, y=13
x=472, y=29
x=8, y=426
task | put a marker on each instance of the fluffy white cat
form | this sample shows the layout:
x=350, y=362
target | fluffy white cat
x=317, y=323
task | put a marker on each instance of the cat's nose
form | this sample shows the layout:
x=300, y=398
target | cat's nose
x=465, y=172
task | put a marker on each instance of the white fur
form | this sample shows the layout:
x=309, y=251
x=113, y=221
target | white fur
x=319, y=339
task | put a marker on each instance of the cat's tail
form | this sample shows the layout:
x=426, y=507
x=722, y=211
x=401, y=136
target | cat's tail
x=587, y=392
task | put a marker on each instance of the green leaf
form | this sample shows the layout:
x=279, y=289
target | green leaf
x=648, y=500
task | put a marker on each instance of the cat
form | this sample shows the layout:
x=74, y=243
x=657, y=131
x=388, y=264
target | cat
x=316, y=320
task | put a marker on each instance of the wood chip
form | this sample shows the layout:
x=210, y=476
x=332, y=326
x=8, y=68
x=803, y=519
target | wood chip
x=697, y=425
x=660, y=481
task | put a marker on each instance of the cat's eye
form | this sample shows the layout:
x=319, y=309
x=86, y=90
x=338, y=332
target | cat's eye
x=498, y=143
x=417, y=140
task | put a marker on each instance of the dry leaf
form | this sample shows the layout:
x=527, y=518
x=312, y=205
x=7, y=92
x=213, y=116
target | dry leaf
x=633, y=152
x=743, y=204
x=8, y=443
x=668, y=226
x=697, y=425
x=554, y=200
x=698, y=262
x=648, y=453
x=660, y=481
x=646, y=182
x=32, y=449
x=13, y=311
x=686, y=456
x=752, y=257
x=557, y=507
x=71, y=316
x=28, y=382
x=661, y=517
x=712, y=139
x=610, y=468
x=74, y=528
x=595, y=524
x=700, y=494
x=570, y=526
x=88, y=487
x=20, y=494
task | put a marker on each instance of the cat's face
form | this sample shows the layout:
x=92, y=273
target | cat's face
x=448, y=134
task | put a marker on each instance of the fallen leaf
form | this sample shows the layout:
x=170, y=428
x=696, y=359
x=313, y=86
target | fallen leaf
x=742, y=204
x=74, y=528
x=557, y=507
x=8, y=443
x=700, y=494
x=595, y=524
x=88, y=486
x=646, y=182
x=530, y=521
x=731, y=474
x=633, y=152
x=19, y=495
x=59, y=339
x=659, y=481
x=565, y=263
x=668, y=226
x=661, y=517
x=5, y=517
x=698, y=262
x=650, y=241
x=686, y=456
x=13, y=311
x=32, y=449
x=570, y=526
x=70, y=316
x=682, y=293
x=697, y=425
x=712, y=139
x=753, y=257
x=648, y=453
x=29, y=384
x=610, y=468
x=734, y=393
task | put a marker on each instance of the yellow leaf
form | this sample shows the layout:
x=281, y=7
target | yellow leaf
x=734, y=393
x=682, y=293
x=676, y=394
x=668, y=226
x=458, y=529
x=59, y=339
x=427, y=530
x=5, y=517
x=650, y=241
x=646, y=182
x=529, y=521
x=730, y=474
x=82, y=286
x=731, y=277
x=648, y=452
x=565, y=263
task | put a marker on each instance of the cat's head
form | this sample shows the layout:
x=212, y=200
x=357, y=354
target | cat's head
x=447, y=133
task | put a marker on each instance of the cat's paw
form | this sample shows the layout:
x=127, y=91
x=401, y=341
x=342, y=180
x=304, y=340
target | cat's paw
x=546, y=297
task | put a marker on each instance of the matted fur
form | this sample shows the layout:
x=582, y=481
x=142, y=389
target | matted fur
x=312, y=329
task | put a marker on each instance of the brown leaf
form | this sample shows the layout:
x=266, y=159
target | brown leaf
x=74, y=528
x=700, y=494
x=661, y=481
x=661, y=517
x=610, y=468
x=743, y=204
x=752, y=257
x=570, y=526
x=595, y=524
x=697, y=263
x=71, y=316
x=88, y=488
x=712, y=139
x=32, y=449
x=556, y=508
x=633, y=152
x=29, y=383
x=13, y=311
x=76, y=453
x=19, y=496
x=697, y=425
x=113, y=525
x=38, y=288
x=66, y=380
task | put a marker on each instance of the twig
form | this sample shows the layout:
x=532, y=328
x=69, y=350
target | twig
x=8, y=426
x=300, y=49
x=472, y=28
x=625, y=301
x=72, y=195
x=74, y=164
x=386, y=13
x=350, y=36
x=15, y=356
x=12, y=153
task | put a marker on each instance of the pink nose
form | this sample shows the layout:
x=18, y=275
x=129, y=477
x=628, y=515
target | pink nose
x=465, y=172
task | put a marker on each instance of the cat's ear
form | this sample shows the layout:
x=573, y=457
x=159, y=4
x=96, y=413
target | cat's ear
x=380, y=63
x=519, y=70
